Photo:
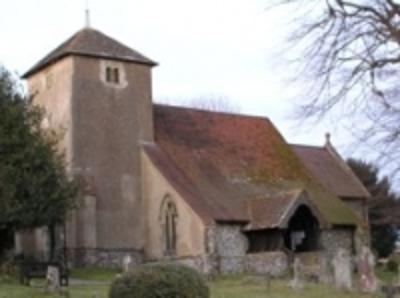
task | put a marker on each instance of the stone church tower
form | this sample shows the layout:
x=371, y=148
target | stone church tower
x=97, y=94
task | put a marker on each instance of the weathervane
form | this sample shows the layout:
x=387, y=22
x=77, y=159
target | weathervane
x=87, y=15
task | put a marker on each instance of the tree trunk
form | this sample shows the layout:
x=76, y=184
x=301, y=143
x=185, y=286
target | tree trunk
x=52, y=238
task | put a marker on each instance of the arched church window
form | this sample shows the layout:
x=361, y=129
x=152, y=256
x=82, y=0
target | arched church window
x=169, y=219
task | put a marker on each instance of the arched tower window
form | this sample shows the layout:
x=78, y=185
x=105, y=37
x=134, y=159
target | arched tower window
x=169, y=218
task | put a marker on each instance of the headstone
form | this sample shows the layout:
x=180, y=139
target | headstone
x=325, y=270
x=366, y=265
x=342, y=269
x=297, y=281
x=53, y=279
x=126, y=263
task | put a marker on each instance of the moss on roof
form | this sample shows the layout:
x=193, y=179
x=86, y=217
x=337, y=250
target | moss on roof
x=229, y=159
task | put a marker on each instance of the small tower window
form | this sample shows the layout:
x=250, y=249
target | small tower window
x=108, y=75
x=112, y=75
x=116, y=75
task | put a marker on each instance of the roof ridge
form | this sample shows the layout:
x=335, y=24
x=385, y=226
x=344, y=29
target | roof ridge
x=200, y=110
x=308, y=146
x=333, y=152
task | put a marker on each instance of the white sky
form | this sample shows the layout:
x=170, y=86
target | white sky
x=217, y=48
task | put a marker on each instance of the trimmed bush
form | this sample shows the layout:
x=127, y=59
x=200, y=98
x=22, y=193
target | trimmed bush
x=160, y=281
x=8, y=271
x=392, y=266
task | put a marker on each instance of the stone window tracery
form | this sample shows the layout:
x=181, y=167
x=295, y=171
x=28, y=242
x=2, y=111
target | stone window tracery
x=169, y=217
x=113, y=74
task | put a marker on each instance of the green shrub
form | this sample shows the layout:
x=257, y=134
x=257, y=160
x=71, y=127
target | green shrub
x=392, y=266
x=160, y=281
x=8, y=271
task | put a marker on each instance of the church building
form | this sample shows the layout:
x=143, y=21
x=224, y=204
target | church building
x=218, y=191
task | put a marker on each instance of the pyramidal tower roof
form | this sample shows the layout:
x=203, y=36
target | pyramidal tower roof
x=91, y=43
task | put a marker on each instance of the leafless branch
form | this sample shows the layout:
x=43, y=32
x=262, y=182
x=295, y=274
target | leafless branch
x=350, y=51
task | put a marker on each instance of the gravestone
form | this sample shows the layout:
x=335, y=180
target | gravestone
x=297, y=281
x=53, y=279
x=325, y=270
x=366, y=266
x=341, y=264
x=126, y=263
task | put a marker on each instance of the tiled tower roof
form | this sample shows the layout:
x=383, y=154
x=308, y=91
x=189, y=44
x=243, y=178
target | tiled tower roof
x=91, y=43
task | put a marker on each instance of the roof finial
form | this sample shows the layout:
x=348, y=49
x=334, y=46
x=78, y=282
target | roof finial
x=327, y=139
x=87, y=15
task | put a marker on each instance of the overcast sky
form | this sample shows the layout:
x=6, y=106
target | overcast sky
x=208, y=48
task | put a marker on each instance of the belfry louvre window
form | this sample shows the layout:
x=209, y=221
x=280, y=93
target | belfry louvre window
x=112, y=75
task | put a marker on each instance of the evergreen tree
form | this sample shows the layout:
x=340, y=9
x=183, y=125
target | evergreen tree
x=383, y=207
x=35, y=190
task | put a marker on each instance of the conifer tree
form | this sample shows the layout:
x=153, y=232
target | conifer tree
x=383, y=207
x=35, y=190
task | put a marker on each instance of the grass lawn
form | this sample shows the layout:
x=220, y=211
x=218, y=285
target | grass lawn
x=94, y=273
x=244, y=287
x=221, y=287
x=17, y=291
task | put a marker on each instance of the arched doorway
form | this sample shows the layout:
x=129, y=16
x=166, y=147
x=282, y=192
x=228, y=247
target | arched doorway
x=302, y=233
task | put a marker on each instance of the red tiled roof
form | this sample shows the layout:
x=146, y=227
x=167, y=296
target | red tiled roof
x=205, y=208
x=331, y=171
x=92, y=43
x=224, y=160
x=276, y=211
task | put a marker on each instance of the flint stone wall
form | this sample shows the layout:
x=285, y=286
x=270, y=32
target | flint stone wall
x=102, y=257
x=226, y=253
x=230, y=247
x=206, y=264
x=274, y=263
x=334, y=239
x=315, y=266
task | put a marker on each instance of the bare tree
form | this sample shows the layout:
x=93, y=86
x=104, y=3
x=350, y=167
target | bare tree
x=350, y=52
x=209, y=103
x=212, y=103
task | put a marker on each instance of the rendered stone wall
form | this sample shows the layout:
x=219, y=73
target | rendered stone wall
x=359, y=207
x=107, y=124
x=51, y=89
x=101, y=126
x=190, y=229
